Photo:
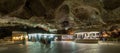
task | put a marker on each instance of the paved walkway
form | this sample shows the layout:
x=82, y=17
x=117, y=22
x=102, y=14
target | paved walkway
x=61, y=47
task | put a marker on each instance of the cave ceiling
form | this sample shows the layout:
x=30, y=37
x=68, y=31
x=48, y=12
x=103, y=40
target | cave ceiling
x=60, y=14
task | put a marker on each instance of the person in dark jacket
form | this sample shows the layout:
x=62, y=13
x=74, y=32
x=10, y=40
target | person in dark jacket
x=48, y=40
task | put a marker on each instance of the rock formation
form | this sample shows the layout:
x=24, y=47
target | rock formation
x=61, y=14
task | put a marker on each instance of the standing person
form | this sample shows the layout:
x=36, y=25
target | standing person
x=24, y=42
x=48, y=41
x=105, y=36
x=43, y=42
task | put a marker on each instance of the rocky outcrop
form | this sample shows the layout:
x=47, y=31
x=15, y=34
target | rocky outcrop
x=27, y=8
x=111, y=4
x=7, y=6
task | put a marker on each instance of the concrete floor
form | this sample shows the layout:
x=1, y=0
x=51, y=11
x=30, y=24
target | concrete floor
x=61, y=47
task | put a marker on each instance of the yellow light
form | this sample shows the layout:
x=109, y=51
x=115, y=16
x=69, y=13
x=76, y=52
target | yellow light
x=26, y=37
x=105, y=35
x=13, y=38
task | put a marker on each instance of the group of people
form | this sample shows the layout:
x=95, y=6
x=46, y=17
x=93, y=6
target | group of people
x=45, y=42
x=114, y=34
